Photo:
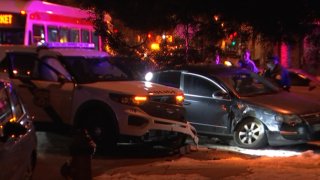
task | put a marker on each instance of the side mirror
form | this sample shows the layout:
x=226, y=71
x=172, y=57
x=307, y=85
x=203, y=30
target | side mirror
x=220, y=95
x=13, y=129
x=62, y=79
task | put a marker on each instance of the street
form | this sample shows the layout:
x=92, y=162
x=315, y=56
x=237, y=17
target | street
x=208, y=161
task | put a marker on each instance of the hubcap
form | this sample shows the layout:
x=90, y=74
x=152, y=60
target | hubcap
x=250, y=133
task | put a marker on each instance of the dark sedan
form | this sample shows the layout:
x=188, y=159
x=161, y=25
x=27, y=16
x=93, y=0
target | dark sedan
x=230, y=102
x=17, y=135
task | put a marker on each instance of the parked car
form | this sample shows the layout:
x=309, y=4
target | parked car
x=79, y=87
x=304, y=83
x=18, y=142
x=229, y=102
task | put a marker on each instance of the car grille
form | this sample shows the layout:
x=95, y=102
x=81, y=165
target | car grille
x=164, y=107
x=164, y=99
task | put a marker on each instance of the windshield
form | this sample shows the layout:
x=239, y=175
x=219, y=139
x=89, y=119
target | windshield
x=93, y=69
x=250, y=84
x=134, y=68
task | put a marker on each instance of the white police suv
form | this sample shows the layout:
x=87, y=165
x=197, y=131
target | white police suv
x=82, y=88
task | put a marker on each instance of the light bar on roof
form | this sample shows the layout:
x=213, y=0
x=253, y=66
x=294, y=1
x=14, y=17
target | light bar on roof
x=68, y=45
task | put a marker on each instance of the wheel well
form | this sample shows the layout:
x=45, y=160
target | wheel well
x=95, y=105
x=248, y=118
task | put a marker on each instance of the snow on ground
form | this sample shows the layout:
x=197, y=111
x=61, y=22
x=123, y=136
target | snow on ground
x=227, y=166
x=208, y=161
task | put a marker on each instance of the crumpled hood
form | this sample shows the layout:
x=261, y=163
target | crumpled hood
x=134, y=88
x=285, y=102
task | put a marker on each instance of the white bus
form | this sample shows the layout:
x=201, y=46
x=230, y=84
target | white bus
x=34, y=21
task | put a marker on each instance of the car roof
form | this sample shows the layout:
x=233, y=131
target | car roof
x=44, y=51
x=204, y=69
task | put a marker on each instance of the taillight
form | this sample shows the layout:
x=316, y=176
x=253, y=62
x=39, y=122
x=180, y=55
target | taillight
x=129, y=99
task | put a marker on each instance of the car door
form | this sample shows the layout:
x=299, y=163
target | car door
x=47, y=98
x=209, y=113
x=10, y=150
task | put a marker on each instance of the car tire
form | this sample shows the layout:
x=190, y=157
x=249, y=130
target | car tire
x=102, y=129
x=250, y=134
x=175, y=142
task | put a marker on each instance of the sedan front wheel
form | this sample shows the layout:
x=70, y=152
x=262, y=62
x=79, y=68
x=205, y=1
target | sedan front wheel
x=250, y=134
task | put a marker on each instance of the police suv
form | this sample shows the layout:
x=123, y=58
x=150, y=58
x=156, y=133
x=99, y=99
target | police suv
x=80, y=87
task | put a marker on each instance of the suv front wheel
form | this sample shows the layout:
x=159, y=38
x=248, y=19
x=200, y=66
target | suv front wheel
x=101, y=126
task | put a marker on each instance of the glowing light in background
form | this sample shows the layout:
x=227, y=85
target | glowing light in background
x=227, y=63
x=284, y=55
x=155, y=46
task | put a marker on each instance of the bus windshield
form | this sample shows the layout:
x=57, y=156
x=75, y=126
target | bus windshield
x=12, y=36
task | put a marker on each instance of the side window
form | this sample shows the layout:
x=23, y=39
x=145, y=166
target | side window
x=23, y=65
x=74, y=35
x=5, y=108
x=95, y=40
x=199, y=86
x=38, y=33
x=85, y=36
x=53, y=34
x=169, y=79
x=50, y=69
x=64, y=35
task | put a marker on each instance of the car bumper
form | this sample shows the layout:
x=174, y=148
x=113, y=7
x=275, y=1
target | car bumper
x=135, y=122
x=289, y=135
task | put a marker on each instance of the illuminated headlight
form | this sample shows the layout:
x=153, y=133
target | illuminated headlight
x=148, y=76
x=179, y=99
x=288, y=118
x=129, y=99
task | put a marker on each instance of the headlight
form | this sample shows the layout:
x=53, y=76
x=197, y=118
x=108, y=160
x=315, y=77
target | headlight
x=148, y=76
x=288, y=118
x=129, y=99
x=179, y=99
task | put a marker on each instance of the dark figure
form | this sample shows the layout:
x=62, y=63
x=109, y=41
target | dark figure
x=247, y=63
x=82, y=149
x=277, y=73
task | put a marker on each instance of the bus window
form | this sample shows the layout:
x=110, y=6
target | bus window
x=74, y=35
x=38, y=33
x=64, y=35
x=11, y=36
x=53, y=34
x=95, y=40
x=85, y=36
